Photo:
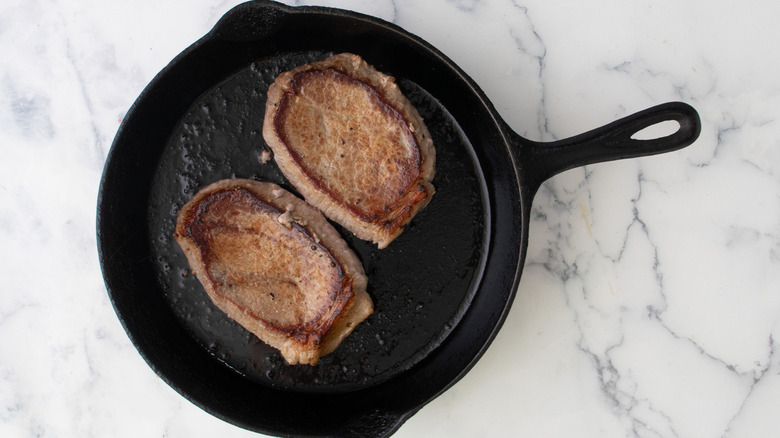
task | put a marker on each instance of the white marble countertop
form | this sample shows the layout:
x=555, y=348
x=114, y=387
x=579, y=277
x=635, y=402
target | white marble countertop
x=650, y=301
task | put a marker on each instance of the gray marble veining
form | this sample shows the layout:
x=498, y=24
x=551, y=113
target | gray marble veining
x=650, y=301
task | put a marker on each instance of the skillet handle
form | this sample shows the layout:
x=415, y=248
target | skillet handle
x=610, y=142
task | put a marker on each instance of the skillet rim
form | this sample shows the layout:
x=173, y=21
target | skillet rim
x=393, y=418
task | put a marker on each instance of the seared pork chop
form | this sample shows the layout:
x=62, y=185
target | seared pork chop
x=275, y=265
x=352, y=144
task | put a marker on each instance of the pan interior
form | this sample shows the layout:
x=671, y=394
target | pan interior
x=421, y=284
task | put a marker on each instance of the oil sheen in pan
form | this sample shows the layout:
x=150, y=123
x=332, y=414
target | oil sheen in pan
x=421, y=284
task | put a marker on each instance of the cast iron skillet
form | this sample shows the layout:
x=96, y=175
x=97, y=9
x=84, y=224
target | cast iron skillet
x=441, y=290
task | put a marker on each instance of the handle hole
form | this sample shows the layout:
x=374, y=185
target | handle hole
x=658, y=130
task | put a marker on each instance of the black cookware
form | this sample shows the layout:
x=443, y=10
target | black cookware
x=441, y=290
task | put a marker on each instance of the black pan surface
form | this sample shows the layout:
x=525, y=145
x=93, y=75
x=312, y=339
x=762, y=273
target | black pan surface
x=441, y=290
x=421, y=284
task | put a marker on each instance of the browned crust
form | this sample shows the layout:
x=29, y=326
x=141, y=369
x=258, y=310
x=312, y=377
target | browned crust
x=385, y=219
x=324, y=316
